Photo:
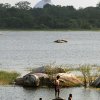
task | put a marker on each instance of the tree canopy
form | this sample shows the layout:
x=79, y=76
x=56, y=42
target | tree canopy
x=22, y=16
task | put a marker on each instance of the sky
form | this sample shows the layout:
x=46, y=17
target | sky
x=75, y=3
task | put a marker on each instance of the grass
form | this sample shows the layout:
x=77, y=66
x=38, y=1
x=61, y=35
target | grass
x=51, y=69
x=7, y=77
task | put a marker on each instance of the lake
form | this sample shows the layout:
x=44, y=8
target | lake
x=25, y=49
x=20, y=93
x=20, y=50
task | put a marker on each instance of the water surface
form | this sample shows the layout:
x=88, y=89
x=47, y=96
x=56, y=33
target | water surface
x=20, y=93
x=22, y=49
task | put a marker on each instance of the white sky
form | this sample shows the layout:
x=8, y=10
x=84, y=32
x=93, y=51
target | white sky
x=75, y=3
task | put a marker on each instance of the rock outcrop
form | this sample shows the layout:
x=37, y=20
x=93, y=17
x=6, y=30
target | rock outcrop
x=32, y=80
x=60, y=41
x=42, y=79
x=96, y=83
x=69, y=80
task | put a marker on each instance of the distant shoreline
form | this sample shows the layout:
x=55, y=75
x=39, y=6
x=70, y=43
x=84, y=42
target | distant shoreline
x=50, y=30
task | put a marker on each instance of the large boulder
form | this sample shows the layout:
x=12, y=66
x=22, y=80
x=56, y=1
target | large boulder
x=43, y=79
x=96, y=83
x=32, y=80
x=69, y=80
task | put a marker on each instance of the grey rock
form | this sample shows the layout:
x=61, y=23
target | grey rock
x=33, y=80
x=61, y=41
x=39, y=70
x=96, y=83
x=30, y=80
x=19, y=81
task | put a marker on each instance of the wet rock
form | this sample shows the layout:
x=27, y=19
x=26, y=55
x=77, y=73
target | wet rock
x=19, y=81
x=44, y=79
x=96, y=83
x=33, y=80
x=30, y=80
x=60, y=41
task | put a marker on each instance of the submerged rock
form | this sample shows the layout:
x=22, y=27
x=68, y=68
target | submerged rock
x=61, y=41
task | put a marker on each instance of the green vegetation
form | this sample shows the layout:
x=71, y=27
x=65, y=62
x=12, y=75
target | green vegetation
x=85, y=70
x=86, y=73
x=7, y=77
x=89, y=74
x=54, y=69
x=51, y=69
x=22, y=16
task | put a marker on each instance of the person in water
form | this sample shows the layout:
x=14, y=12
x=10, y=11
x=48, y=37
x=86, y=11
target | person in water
x=57, y=87
x=70, y=97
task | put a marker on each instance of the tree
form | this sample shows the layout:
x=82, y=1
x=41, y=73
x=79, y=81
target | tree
x=85, y=70
x=23, y=5
x=1, y=5
x=7, y=5
x=98, y=5
x=50, y=17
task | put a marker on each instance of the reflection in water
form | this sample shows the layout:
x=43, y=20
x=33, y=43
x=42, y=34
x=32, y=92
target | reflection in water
x=20, y=93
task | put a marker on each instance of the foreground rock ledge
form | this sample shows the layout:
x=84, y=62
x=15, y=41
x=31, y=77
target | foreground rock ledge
x=58, y=98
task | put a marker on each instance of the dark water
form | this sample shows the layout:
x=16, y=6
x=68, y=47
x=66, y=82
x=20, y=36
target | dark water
x=20, y=93
x=22, y=49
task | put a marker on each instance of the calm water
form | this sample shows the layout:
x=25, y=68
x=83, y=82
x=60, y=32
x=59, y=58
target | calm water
x=22, y=49
x=19, y=93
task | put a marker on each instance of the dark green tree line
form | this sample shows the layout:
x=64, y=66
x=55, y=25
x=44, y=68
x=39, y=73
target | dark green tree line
x=22, y=16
